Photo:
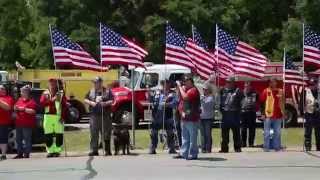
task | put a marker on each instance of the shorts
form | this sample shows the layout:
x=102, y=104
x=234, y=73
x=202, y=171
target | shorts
x=4, y=132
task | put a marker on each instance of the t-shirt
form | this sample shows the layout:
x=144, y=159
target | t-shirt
x=5, y=118
x=24, y=119
x=277, y=114
x=191, y=107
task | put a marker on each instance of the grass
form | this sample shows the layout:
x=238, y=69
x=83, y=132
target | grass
x=78, y=141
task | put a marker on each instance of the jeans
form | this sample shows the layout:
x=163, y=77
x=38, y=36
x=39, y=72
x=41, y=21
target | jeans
x=155, y=127
x=248, y=122
x=189, y=131
x=274, y=124
x=206, y=136
x=24, y=140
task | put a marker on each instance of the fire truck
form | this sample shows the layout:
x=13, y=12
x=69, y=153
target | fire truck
x=153, y=74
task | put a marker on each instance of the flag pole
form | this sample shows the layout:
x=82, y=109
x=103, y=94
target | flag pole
x=284, y=89
x=59, y=77
x=102, y=109
x=303, y=84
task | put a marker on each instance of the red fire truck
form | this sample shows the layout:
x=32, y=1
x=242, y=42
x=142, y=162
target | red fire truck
x=153, y=74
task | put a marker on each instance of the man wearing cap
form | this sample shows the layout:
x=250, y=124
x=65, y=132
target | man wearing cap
x=312, y=114
x=189, y=109
x=25, y=109
x=273, y=99
x=248, y=114
x=6, y=106
x=164, y=101
x=99, y=100
x=54, y=103
x=230, y=100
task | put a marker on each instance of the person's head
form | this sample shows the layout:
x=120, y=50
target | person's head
x=3, y=90
x=207, y=89
x=273, y=82
x=53, y=85
x=98, y=82
x=247, y=85
x=26, y=92
x=188, y=82
x=230, y=82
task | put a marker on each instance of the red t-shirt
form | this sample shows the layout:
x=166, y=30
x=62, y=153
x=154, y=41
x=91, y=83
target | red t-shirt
x=277, y=114
x=24, y=119
x=192, y=105
x=5, y=116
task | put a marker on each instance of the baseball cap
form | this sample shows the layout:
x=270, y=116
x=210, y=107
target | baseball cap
x=97, y=79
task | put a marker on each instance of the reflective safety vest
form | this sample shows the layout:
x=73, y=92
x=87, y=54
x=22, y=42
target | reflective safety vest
x=269, y=109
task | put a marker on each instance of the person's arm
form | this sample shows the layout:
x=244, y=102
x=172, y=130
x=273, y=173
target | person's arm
x=4, y=105
x=108, y=102
x=182, y=92
x=88, y=101
x=44, y=99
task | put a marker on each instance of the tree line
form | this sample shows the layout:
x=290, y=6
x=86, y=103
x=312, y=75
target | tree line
x=269, y=25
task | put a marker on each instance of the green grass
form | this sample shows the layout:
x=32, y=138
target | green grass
x=78, y=141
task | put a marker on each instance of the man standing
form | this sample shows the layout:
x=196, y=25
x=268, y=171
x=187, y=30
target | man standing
x=100, y=100
x=189, y=109
x=6, y=106
x=164, y=101
x=312, y=115
x=54, y=103
x=248, y=114
x=273, y=99
x=231, y=98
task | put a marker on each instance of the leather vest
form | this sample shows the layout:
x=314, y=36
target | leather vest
x=231, y=99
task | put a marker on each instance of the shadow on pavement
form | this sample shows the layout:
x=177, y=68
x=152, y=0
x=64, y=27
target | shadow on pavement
x=313, y=155
x=211, y=159
x=256, y=167
x=92, y=172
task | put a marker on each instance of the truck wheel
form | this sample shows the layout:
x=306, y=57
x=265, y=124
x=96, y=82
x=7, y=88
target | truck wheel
x=124, y=116
x=12, y=144
x=292, y=117
x=73, y=115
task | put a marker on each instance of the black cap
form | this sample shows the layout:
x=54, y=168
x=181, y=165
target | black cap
x=97, y=79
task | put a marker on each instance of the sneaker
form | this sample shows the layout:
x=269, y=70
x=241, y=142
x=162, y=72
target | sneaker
x=152, y=151
x=251, y=145
x=223, y=151
x=93, y=153
x=3, y=157
x=172, y=151
x=26, y=156
x=19, y=156
x=56, y=154
x=192, y=158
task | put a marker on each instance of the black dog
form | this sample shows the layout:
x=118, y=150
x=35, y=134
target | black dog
x=121, y=139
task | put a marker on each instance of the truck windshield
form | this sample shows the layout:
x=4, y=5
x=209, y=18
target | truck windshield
x=136, y=76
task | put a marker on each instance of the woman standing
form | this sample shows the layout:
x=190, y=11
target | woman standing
x=6, y=105
x=207, y=109
x=25, y=108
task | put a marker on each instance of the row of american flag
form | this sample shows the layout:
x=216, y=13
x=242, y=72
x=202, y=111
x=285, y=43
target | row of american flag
x=230, y=56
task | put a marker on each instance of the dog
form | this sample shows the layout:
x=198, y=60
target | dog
x=121, y=139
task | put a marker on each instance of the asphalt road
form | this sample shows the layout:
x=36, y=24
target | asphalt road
x=246, y=165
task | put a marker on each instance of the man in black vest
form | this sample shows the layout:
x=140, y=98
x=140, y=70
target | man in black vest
x=231, y=98
x=248, y=114
x=99, y=100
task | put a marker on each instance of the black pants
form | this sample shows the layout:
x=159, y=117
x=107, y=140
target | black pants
x=248, y=122
x=225, y=138
x=311, y=122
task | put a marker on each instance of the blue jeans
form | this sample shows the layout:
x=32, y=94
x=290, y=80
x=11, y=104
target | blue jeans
x=206, y=136
x=24, y=140
x=274, y=124
x=189, y=131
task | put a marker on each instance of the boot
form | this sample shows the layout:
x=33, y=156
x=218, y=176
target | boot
x=107, y=148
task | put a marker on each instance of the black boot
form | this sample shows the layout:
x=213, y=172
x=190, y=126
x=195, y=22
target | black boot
x=107, y=148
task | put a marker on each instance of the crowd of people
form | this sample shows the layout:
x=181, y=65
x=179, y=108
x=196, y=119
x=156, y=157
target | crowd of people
x=178, y=107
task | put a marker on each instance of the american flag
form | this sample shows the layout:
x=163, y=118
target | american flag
x=239, y=57
x=292, y=74
x=175, y=52
x=117, y=50
x=68, y=54
x=199, y=53
x=311, y=50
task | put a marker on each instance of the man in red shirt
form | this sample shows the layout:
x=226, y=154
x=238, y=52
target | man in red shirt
x=25, y=109
x=189, y=109
x=273, y=99
x=54, y=103
x=6, y=105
